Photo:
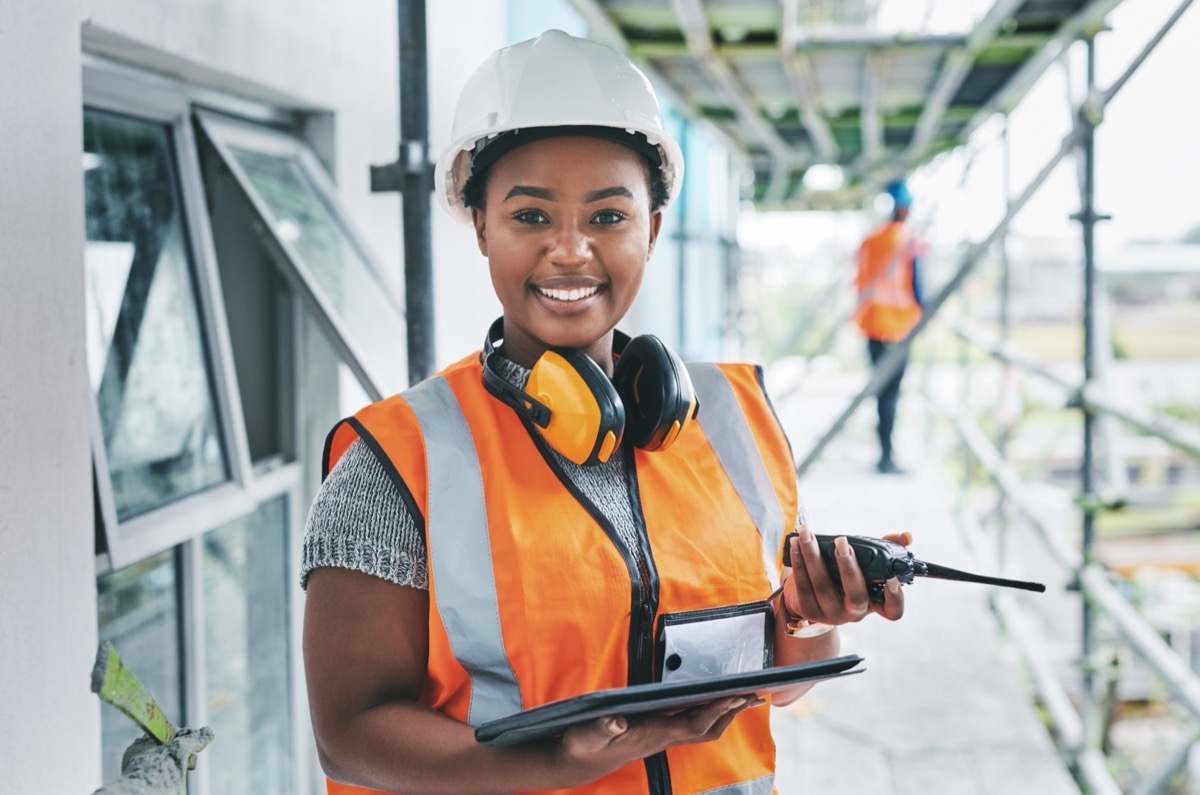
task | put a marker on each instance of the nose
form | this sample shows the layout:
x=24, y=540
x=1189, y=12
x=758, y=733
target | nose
x=570, y=247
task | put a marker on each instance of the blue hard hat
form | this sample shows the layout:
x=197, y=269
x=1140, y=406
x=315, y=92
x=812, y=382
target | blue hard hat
x=898, y=190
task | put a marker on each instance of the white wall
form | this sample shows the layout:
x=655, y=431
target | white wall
x=464, y=302
x=50, y=731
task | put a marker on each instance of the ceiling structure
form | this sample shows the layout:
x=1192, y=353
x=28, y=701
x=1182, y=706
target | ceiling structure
x=794, y=84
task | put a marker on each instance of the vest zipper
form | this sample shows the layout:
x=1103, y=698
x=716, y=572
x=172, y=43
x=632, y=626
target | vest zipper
x=643, y=578
x=658, y=773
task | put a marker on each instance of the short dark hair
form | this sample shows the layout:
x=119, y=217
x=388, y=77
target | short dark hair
x=474, y=192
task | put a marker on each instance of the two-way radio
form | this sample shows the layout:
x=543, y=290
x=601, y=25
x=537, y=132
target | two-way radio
x=881, y=560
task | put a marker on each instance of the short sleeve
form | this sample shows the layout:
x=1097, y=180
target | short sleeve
x=360, y=522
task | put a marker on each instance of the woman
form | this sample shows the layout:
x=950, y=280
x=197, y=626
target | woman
x=491, y=540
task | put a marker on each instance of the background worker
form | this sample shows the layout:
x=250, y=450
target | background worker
x=889, y=305
x=468, y=558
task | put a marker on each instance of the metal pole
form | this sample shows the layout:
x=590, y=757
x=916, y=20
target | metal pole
x=412, y=176
x=1007, y=384
x=1087, y=219
x=682, y=237
x=417, y=189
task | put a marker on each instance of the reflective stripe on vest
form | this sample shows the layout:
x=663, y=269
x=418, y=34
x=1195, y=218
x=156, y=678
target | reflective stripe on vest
x=729, y=434
x=759, y=786
x=465, y=586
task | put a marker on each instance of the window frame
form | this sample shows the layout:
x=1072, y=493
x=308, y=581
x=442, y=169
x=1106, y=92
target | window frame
x=178, y=520
x=182, y=523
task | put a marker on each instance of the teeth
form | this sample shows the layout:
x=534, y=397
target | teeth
x=568, y=295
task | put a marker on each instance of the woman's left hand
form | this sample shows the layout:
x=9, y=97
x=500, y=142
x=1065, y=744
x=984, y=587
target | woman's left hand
x=811, y=592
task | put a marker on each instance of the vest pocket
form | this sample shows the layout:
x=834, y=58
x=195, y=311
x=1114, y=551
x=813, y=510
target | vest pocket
x=715, y=641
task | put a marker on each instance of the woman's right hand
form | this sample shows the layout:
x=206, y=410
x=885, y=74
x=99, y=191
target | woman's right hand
x=607, y=744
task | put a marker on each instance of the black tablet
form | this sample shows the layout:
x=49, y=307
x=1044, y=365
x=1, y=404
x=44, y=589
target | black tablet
x=554, y=718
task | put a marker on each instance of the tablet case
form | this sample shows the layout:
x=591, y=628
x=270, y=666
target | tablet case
x=553, y=719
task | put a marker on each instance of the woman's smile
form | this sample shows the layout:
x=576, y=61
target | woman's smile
x=565, y=295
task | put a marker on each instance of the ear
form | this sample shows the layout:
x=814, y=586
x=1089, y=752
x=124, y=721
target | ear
x=655, y=226
x=480, y=222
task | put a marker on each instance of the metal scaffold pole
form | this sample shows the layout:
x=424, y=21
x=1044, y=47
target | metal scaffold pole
x=412, y=176
x=1087, y=218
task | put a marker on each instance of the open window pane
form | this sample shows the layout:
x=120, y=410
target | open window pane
x=147, y=355
x=246, y=653
x=327, y=265
x=259, y=313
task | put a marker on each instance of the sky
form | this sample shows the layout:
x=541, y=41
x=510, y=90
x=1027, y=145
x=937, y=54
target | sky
x=1148, y=147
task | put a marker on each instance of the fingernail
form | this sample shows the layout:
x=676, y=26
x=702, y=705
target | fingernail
x=616, y=725
x=806, y=535
x=907, y=538
x=893, y=586
x=843, y=546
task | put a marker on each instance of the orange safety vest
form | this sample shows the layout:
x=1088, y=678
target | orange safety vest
x=887, y=309
x=534, y=598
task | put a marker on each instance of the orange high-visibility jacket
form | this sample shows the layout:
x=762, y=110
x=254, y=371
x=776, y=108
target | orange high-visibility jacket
x=533, y=596
x=887, y=309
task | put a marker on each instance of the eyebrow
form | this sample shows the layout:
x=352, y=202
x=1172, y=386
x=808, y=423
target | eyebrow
x=598, y=195
x=548, y=195
x=527, y=190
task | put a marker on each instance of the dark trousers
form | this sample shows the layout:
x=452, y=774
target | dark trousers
x=888, y=397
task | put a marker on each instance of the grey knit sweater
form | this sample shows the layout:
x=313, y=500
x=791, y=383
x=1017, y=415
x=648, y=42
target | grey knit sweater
x=359, y=521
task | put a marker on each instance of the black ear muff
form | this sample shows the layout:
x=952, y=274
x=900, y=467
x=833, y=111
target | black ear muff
x=657, y=392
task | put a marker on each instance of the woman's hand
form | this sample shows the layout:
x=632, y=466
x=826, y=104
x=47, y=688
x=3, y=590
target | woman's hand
x=812, y=593
x=601, y=746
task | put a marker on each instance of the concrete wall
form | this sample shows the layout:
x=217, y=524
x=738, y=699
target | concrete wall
x=50, y=732
x=464, y=302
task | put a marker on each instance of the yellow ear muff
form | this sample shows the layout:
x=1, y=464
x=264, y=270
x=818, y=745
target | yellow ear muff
x=586, y=418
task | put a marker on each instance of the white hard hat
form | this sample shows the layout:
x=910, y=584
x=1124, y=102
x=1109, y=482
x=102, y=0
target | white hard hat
x=555, y=80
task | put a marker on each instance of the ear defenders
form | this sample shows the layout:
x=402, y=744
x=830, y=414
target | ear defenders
x=583, y=415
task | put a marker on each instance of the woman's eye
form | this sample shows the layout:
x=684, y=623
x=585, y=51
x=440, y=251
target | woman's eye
x=608, y=217
x=530, y=217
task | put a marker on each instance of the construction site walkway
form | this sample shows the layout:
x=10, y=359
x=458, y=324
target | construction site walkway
x=941, y=706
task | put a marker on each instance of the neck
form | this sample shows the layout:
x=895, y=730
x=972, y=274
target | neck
x=525, y=350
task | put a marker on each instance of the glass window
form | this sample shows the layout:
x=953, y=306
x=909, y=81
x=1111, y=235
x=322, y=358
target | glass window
x=345, y=291
x=258, y=310
x=246, y=653
x=146, y=350
x=139, y=613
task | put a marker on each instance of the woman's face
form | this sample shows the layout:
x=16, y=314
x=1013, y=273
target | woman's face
x=567, y=231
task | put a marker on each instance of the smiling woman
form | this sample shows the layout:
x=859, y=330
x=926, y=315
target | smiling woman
x=525, y=526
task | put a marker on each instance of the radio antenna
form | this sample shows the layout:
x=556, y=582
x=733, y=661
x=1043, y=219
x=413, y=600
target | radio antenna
x=946, y=573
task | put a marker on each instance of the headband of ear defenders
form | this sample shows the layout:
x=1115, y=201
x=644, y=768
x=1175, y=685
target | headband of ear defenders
x=568, y=397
